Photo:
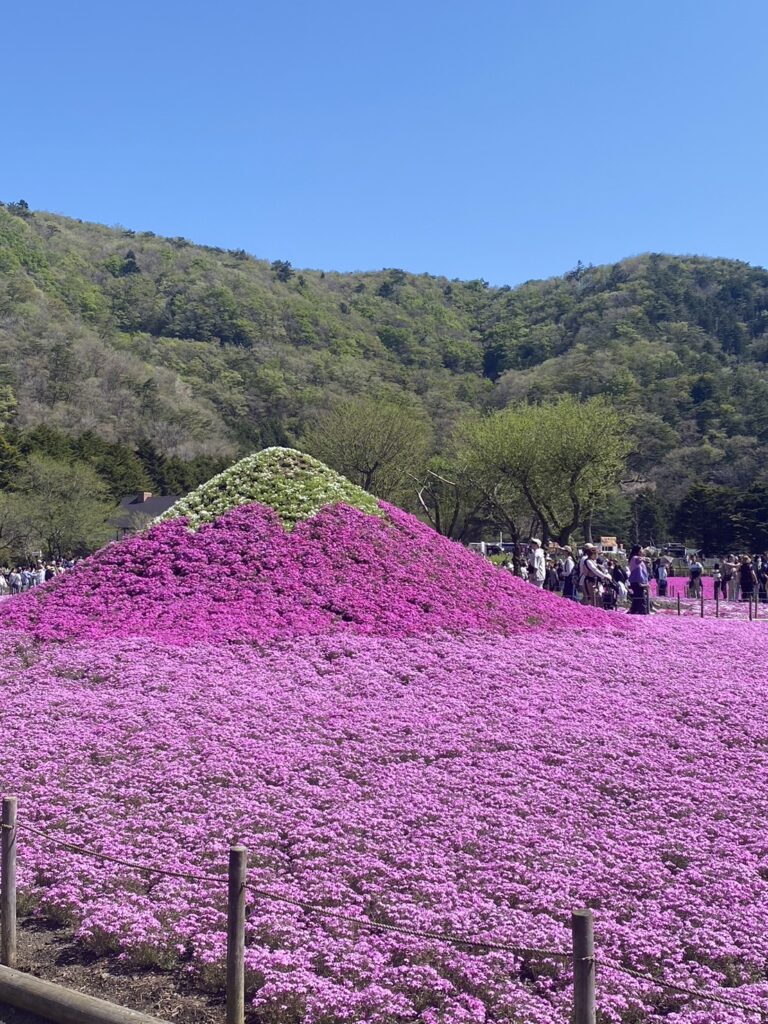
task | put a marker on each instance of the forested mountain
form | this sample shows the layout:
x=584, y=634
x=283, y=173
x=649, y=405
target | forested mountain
x=199, y=353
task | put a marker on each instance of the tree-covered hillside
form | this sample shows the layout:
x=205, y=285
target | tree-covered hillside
x=190, y=352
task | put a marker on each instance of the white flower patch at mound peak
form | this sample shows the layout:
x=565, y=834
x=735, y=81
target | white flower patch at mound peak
x=295, y=485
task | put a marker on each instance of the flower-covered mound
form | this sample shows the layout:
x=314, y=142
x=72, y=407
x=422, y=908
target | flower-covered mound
x=440, y=782
x=295, y=485
x=244, y=578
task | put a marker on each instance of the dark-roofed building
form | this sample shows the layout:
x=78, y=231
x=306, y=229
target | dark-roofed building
x=137, y=510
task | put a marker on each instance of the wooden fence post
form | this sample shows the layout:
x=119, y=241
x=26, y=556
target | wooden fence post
x=678, y=604
x=238, y=864
x=62, y=1005
x=583, y=967
x=8, y=883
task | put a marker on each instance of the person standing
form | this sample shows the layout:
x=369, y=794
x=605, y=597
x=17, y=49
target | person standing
x=569, y=583
x=719, y=583
x=552, y=580
x=539, y=563
x=638, y=582
x=619, y=574
x=661, y=578
x=761, y=571
x=727, y=577
x=747, y=578
x=591, y=575
x=695, y=569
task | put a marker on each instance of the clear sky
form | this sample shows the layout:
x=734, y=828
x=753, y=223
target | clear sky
x=503, y=140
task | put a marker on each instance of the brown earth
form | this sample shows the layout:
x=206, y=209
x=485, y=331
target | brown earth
x=49, y=951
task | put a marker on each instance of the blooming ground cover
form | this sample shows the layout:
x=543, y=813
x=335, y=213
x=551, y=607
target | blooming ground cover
x=678, y=585
x=397, y=731
x=723, y=610
x=245, y=579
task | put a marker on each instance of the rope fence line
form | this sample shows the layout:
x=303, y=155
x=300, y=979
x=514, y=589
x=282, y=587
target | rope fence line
x=683, y=989
x=135, y=865
x=585, y=963
x=315, y=908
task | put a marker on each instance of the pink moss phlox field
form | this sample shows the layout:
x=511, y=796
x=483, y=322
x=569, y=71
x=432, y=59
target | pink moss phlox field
x=419, y=781
x=396, y=731
x=724, y=609
x=678, y=586
x=245, y=578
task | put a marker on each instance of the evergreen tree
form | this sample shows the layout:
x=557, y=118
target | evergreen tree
x=707, y=516
x=122, y=471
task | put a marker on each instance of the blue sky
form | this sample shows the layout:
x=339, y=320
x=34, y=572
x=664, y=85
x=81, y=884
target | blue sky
x=503, y=140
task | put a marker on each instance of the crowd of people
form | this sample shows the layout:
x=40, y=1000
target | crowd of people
x=734, y=577
x=593, y=578
x=25, y=577
x=588, y=576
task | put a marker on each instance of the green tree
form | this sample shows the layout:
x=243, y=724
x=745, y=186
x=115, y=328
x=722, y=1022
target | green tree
x=121, y=471
x=19, y=208
x=67, y=506
x=557, y=459
x=650, y=518
x=750, y=517
x=44, y=440
x=282, y=270
x=154, y=464
x=10, y=462
x=380, y=445
x=449, y=498
x=15, y=528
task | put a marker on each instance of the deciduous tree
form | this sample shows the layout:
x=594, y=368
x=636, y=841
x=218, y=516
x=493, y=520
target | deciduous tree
x=558, y=459
x=378, y=444
x=449, y=497
x=67, y=506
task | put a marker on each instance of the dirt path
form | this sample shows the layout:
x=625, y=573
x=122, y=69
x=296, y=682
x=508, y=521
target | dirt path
x=49, y=951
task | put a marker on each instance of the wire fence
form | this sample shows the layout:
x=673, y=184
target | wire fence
x=581, y=957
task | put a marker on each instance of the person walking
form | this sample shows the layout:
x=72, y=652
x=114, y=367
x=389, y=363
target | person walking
x=638, y=582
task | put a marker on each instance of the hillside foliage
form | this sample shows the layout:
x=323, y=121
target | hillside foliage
x=158, y=361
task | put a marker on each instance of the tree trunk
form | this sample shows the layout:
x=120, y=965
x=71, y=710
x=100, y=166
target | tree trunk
x=588, y=528
x=564, y=537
